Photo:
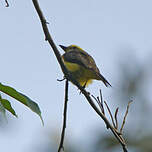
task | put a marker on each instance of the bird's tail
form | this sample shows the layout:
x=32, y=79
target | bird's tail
x=107, y=84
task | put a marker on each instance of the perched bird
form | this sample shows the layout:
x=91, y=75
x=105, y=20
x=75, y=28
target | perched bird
x=81, y=65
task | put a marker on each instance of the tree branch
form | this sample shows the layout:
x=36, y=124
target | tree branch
x=64, y=117
x=124, y=120
x=110, y=114
x=7, y=4
x=116, y=120
x=69, y=76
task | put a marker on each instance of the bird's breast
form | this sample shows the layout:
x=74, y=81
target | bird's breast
x=72, y=66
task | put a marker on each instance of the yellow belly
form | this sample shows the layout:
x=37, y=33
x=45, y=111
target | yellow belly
x=81, y=74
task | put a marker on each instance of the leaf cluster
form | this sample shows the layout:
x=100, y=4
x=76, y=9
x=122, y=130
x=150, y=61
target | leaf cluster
x=5, y=105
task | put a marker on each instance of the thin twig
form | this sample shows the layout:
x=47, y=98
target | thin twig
x=101, y=101
x=110, y=114
x=116, y=120
x=64, y=117
x=98, y=102
x=95, y=98
x=7, y=4
x=69, y=76
x=124, y=120
x=61, y=79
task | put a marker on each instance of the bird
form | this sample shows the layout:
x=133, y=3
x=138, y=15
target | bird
x=81, y=65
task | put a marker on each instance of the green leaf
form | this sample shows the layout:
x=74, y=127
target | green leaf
x=21, y=98
x=33, y=106
x=2, y=110
x=7, y=105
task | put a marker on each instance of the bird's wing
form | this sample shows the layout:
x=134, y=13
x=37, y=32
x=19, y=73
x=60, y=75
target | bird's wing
x=81, y=58
x=85, y=60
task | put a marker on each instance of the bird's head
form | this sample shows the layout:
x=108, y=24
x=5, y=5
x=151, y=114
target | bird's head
x=70, y=48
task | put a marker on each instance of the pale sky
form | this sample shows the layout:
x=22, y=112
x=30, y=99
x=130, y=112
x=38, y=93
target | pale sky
x=103, y=28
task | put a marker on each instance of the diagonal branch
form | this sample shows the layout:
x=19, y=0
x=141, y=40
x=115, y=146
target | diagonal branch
x=69, y=76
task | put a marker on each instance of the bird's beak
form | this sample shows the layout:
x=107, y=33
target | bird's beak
x=63, y=47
